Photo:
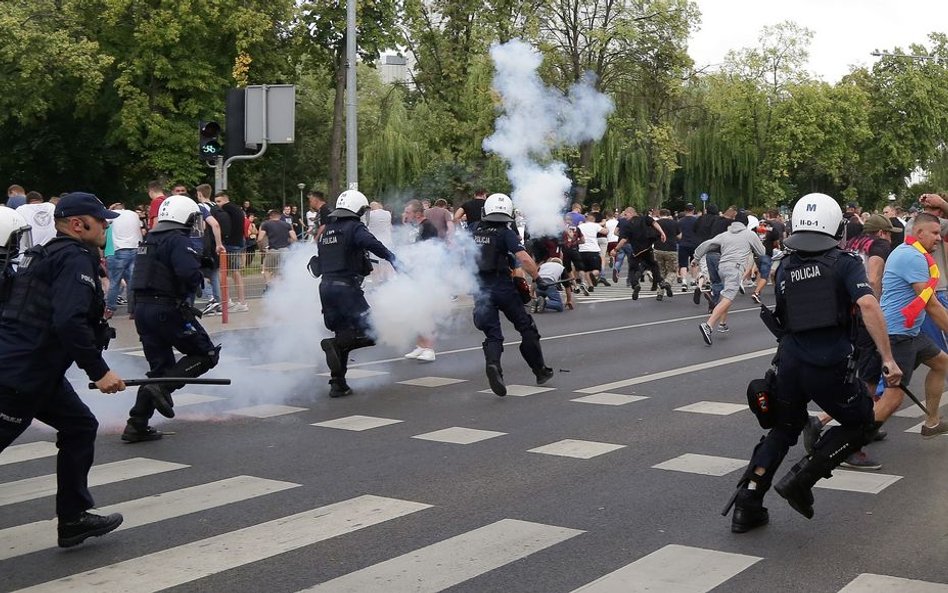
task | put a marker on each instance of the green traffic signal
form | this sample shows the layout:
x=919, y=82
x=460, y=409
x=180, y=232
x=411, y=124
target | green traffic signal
x=209, y=147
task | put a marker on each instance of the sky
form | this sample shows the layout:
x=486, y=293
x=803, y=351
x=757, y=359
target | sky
x=845, y=31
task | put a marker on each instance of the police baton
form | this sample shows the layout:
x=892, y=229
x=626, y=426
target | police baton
x=885, y=371
x=166, y=380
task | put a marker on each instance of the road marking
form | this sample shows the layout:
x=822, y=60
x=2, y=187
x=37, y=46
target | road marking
x=713, y=408
x=357, y=373
x=856, y=481
x=706, y=465
x=41, y=535
x=190, y=562
x=107, y=473
x=452, y=561
x=266, y=411
x=283, y=366
x=577, y=449
x=591, y=332
x=192, y=399
x=609, y=399
x=682, y=569
x=522, y=390
x=357, y=423
x=431, y=381
x=877, y=583
x=913, y=411
x=27, y=452
x=675, y=372
x=459, y=435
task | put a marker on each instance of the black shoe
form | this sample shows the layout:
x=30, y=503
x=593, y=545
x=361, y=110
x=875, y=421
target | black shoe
x=659, y=296
x=543, y=375
x=811, y=433
x=160, y=398
x=333, y=356
x=495, y=377
x=654, y=287
x=615, y=276
x=795, y=492
x=668, y=290
x=339, y=388
x=696, y=298
x=135, y=434
x=880, y=435
x=603, y=281
x=749, y=513
x=73, y=533
x=635, y=292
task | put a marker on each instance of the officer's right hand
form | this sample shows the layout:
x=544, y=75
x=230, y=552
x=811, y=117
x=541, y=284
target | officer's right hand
x=892, y=373
x=110, y=383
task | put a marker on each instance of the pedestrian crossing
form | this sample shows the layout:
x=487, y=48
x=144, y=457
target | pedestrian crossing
x=451, y=560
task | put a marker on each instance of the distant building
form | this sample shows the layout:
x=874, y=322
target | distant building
x=395, y=69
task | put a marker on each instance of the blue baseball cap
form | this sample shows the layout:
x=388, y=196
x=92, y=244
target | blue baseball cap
x=81, y=204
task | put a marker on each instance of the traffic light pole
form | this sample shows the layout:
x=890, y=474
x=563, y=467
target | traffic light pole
x=221, y=166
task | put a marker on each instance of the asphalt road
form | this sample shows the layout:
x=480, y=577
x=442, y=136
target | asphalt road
x=619, y=494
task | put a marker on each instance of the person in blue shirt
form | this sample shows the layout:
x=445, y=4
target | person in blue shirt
x=908, y=285
x=53, y=318
x=343, y=264
x=498, y=244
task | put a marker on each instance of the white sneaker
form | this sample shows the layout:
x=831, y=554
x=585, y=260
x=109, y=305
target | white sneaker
x=238, y=308
x=427, y=355
x=415, y=353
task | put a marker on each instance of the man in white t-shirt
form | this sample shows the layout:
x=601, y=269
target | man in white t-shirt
x=589, y=251
x=548, y=295
x=39, y=215
x=126, y=235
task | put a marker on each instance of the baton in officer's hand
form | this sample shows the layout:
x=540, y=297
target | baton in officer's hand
x=166, y=380
x=885, y=371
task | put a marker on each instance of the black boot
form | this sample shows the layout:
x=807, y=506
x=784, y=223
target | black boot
x=749, y=511
x=339, y=388
x=72, y=533
x=495, y=375
x=334, y=357
x=543, y=374
x=635, y=292
x=139, y=432
x=668, y=290
x=160, y=397
x=796, y=487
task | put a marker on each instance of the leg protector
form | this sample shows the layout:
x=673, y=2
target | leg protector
x=191, y=365
x=833, y=448
x=530, y=348
x=335, y=359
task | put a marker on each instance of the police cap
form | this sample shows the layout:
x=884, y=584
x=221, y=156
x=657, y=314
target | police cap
x=82, y=204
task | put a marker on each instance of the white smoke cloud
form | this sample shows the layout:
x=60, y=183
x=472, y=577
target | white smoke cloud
x=536, y=120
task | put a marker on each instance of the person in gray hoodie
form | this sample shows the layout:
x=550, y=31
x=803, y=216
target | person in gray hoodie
x=736, y=244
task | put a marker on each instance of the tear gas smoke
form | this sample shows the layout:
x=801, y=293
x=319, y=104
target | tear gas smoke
x=536, y=120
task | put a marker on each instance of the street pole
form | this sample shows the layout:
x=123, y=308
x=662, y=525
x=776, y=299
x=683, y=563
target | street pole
x=301, y=187
x=352, y=147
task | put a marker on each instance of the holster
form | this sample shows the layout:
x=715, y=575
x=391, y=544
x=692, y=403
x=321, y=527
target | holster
x=104, y=333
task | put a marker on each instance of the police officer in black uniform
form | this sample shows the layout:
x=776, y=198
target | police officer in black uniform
x=166, y=277
x=53, y=318
x=498, y=293
x=817, y=286
x=344, y=264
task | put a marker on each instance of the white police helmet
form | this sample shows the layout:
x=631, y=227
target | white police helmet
x=177, y=212
x=498, y=208
x=817, y=223
x=350, y=204
x=15, y=234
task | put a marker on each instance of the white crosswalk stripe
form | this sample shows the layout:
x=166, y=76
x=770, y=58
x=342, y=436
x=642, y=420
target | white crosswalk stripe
x=33, y=537
x=27, y=452
x=190, y=562
x=452, y=561
x=108, y=473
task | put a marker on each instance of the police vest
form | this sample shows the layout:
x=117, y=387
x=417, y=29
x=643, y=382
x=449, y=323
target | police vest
x=493, y=257
x=338, y=254
x=151, y=275
x=812, y=294
x=30, y=295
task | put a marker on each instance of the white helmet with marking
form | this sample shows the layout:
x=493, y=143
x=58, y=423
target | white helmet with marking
x=15, y=235
x=350, y=204
x=498, y=208
x=817, y=223
x=177, y=212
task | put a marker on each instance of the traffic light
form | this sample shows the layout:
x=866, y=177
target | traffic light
x=210, y=146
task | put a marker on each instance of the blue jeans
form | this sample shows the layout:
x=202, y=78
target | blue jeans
x=717, y=285
x=553, y=300
x=621, y=254
x=931, y=329
x=120, y=267
x=213, y=285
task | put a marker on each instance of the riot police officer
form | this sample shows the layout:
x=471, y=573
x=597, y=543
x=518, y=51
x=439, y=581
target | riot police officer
x=343, y=264
x=167, y=275
x=498, y=244
x=817, y=285
x=16, y=237
x=53, y=318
